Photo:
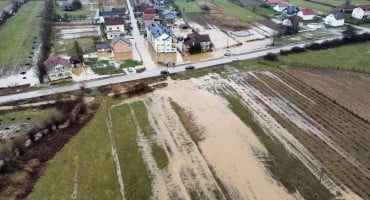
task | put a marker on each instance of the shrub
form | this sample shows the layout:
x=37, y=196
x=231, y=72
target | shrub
x=270, y=56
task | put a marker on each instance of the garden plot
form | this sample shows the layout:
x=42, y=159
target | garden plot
x=350, y=89
x=337, y=140
x=77, y=32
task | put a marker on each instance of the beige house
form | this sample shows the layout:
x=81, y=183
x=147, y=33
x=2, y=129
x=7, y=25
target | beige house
x=120, y=44
x=114, y=26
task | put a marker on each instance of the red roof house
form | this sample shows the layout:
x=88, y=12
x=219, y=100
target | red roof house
x=306, y=14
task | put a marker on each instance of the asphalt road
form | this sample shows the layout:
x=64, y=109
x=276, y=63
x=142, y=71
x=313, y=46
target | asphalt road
x=148, y=73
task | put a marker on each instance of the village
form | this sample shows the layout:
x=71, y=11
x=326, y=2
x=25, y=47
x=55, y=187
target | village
x=114, y=39
x=185, y=99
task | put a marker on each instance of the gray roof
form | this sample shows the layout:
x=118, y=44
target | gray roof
x=117, y=38
x=157, y=30
x=102, y=46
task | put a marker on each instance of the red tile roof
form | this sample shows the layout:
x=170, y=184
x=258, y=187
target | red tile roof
x=283, y=4
x=307, y=11
x=273, y=1
x=53, y=61
x=111, y=21
x=149, y=10
x=148, y=16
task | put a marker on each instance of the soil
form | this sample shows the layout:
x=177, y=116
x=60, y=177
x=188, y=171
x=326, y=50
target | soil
x=349, y=89
x=224, y=21
x=222, y=165
x=336, y=139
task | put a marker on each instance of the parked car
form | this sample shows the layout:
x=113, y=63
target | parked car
x=189, y=67
x=130, y=69
x=164, y=72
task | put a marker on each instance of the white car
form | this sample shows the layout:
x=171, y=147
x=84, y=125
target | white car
x=130, y=69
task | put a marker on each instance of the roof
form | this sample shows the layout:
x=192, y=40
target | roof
x=157, y=30
x=149, y=10
x=292, y=9
x=111, y=21
x=118, y=38
x=107, y=13
x=120, y=10
x=282, y=4
x=196, y=38
x=307, y=11
x=365, y=7
x=148, y=16
x=166, y=12
x=102, y=46
x=338, y=16
x=53, y=61
x=344, y=6
x=273, y=1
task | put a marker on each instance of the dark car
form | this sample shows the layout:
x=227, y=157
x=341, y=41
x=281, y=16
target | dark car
x=164, y=72
x=189, y=67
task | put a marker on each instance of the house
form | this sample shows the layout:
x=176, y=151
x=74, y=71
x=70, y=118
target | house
x=361, y=12
x=168, y=15
x=108, y=14
x=334, y=19
x=161, y=38
x=306, y=14
x=346, y=8
x=114, y=26
x=280, y=6
x=147, y=18
x=150, y=10
x=120, y=12
x=290, y=10
x=195, y=39
x=271, y=3
x=61, y=3
x=104, y=47
x=120, y=44
x=57, y=68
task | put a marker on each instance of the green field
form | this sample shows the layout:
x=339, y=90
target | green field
x=315, y=6
x=135, y=174
x=186, y=7
x=37, y=117
x=82, y=13
x=89, y=152
x=236, y=11
x=15, y=35
x=67, y=46
x=3, y=2
x=354, y=56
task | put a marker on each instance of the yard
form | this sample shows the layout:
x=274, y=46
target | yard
x=17, y=41
x=315, y=6
x=84, y=12
x=349, y=57
x=187, y=6
x=236, y=11
x=67, y=45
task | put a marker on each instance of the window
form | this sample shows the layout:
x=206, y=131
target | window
x=117, y=27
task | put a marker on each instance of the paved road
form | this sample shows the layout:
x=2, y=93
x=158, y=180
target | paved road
x=148, y=73
x=140, y=41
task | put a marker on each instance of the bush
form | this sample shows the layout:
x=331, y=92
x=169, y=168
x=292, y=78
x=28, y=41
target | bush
x=297, y=50
x=270, y=56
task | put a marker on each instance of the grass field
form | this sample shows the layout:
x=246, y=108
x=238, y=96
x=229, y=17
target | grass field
x=186, y=7
x=3, y=2
x=141, y=114
x=236, y=11
x=89, y=152
x=349, y=57
x=27, y=116
x=67, y=46
x=135, y=174
x=15, y=35
x=315, y=6
x=77, y=14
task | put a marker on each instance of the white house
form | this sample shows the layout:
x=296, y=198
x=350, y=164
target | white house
x=335, y=19
x=57, y=68
x=161, y=38
x=306, y=14
x=280, y=6
x=114, y=26
x=361, y=12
